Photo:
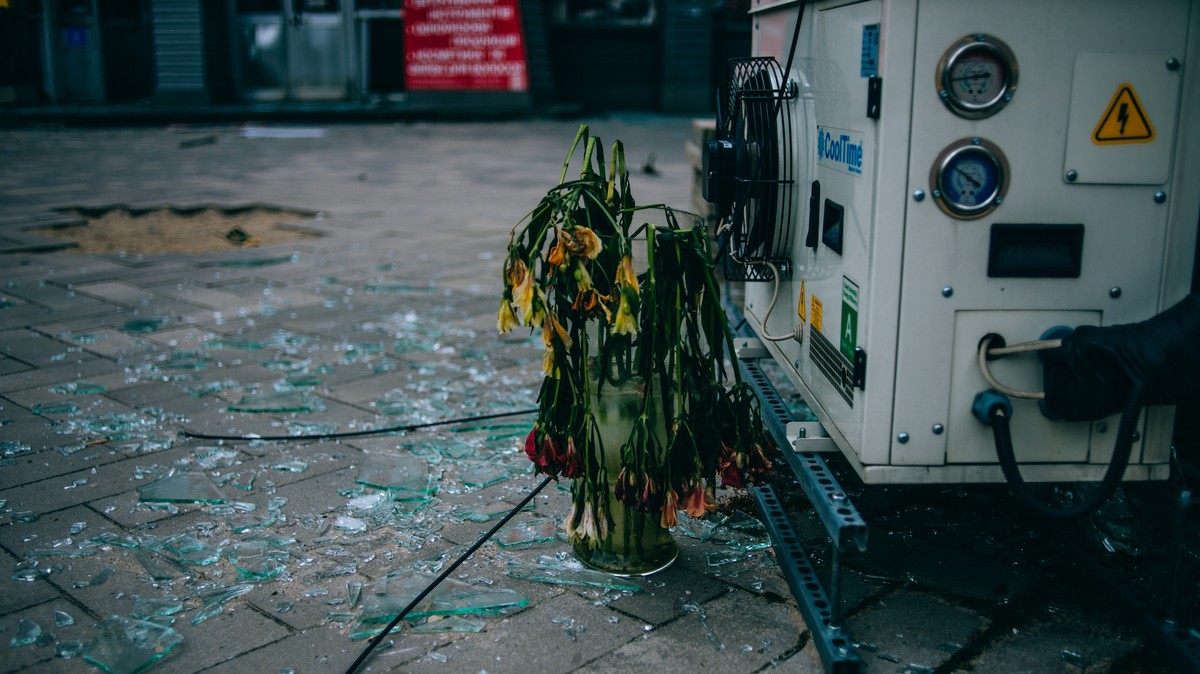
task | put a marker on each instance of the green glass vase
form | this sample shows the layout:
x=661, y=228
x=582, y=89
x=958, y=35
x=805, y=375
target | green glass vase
x=637, y=544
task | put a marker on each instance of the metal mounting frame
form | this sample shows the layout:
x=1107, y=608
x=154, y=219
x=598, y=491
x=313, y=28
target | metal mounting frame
x=842, y=521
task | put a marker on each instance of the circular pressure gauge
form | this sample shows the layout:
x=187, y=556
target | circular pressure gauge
x=977, y=76
x=969, y=178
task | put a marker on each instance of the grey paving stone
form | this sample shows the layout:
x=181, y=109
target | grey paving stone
x=47, y=461
x=734, y=622
x=85, y=367
x=1052, y=646
x=17, y=595
x=916, y=628
x=50, y=494
x=239, y=629
x=18, y=659
x=665, y=595
x=504, y=646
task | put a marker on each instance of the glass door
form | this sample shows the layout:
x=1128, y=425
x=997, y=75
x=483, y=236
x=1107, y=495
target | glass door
x=290, y=49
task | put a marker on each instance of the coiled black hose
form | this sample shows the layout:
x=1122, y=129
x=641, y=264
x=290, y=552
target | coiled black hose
x=1108, y=485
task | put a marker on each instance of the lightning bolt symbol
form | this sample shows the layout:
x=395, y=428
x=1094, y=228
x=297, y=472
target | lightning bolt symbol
x=1123, y=116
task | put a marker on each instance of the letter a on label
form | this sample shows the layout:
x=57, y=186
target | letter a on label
x=1124, y=121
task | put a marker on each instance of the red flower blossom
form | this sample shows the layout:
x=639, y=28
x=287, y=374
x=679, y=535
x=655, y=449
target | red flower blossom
x=572, y=465
x=670, y=505
x=698, y=501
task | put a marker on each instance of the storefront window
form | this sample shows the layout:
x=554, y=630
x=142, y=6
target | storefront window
x=610, y=12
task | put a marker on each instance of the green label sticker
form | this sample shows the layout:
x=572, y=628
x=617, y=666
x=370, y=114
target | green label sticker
x=849, y=317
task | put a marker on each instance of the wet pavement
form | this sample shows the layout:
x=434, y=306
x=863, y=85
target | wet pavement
x=244, y=554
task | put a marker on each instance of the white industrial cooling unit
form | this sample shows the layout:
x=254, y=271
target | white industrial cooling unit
x=915, y=175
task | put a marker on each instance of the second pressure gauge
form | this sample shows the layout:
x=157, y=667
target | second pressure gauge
x=969, y=178
x=977, y=76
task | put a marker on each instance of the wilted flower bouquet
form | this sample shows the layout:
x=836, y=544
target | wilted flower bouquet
x=634, y=406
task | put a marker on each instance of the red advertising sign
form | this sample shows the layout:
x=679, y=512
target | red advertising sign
x=464, y=44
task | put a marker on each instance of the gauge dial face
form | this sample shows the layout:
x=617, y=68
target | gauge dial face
x=969, y=178
x=977, y=76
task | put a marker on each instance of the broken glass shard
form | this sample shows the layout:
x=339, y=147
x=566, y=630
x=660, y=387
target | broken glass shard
x=78, y=528
x=389, y=595
x=127, y=645
x=488, y=511
x=28, y=633
x=244, y=480
x=741, y=531
x=181, y=488
x=30, y=573
x=148, y=324
x=259, y=567
x=229, y=343
x=145, y=608
x=78, y=388
x=13, y=448
x=223, y=595
x=278, y=403
x=42, y=409
x=26, y=516
x=291, y=466
x=354, y=590
x=315, y=428
x=62, y=618
x=479, y=474
x=68, y=648
x=539, y=530
x=351, y=525
x=436, y=624
x=209, y=458
x=368, y=502
x=101, y=577
x=207, y=612
x=550, y=570
x=191, y=550
x=240, y=523
x=407, y=477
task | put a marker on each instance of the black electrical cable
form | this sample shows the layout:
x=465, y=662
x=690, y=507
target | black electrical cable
x=356, y=434
x=1108, y=485
x=375, y=641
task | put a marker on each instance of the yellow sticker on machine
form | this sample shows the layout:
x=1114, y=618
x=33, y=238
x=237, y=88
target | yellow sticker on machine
x=816, y=314
x=801, y=311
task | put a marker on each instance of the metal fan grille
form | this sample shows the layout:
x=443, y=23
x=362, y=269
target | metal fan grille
x=756, y=117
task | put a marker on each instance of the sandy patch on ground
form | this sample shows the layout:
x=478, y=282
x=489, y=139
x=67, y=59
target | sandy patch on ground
x=171, y=231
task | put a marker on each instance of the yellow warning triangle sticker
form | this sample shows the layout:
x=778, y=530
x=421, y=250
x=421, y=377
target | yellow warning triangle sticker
x=1124, y=120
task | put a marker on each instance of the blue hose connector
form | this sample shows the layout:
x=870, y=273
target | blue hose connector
x=986, y=401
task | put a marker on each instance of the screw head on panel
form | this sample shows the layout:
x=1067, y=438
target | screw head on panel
x=1172, y=63
x=938, y=429
x=918, y=195
x=1072, y=176
x=947, y=291
x=1114, y=292
x=902, y=438
x=1160, y=197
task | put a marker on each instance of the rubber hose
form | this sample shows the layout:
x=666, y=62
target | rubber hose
x=1108, y=485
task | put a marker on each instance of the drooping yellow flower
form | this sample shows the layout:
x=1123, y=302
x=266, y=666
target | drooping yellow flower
x=506, y=319
x=582, y=241
x=552, y=329
x=583, y=280
x=624, y=323
x=625, y=276
x=591, y=304
x=557, y=257
x=523, y=298
x=515, y=271
x=549, y=363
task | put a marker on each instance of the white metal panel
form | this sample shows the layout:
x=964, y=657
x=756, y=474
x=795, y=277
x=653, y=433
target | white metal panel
x=1124, y=228
x=1121, y=128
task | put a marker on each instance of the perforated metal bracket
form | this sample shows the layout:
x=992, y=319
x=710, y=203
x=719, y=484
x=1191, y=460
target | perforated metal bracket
x=820, y=612
x=841, y=519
